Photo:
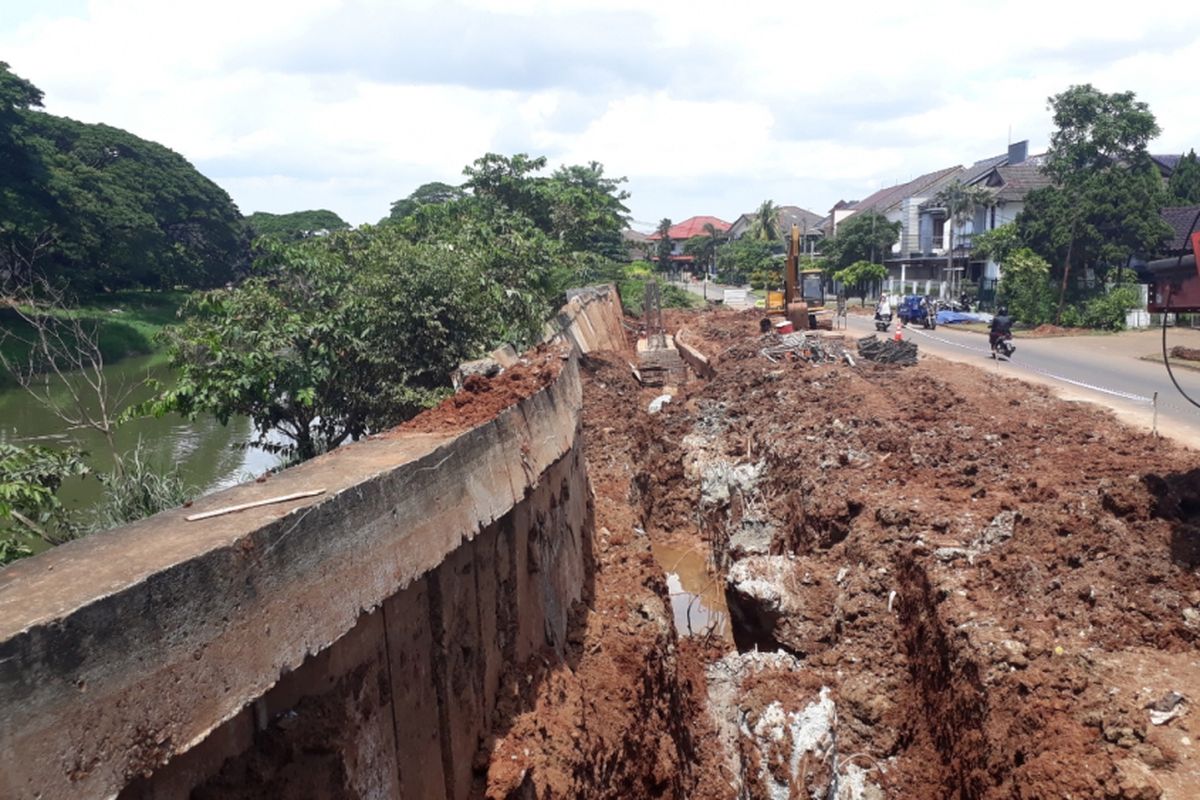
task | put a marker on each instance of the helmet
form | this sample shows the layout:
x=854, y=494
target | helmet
x=1002, y=311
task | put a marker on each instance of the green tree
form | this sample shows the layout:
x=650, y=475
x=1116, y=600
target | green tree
x=861, y=275
x=664, y=246
x=1104, y=206
x=101, y=209
x=739, y=260
x=338, y=336
x=434, y=193
x=510, y=182
x=294, y=226
x=1025, y=287
x=703, y=247
x=765, y=225
x=587, y=210
x=867, y=236
x=997, y=243
x=1184, y=186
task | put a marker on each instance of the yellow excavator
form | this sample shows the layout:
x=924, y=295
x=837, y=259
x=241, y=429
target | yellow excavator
x=803, y=295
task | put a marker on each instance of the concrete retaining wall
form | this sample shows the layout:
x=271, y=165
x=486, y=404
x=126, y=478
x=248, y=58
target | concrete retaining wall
x=354, y=643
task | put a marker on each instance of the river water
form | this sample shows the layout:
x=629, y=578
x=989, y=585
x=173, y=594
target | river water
x=207, y=453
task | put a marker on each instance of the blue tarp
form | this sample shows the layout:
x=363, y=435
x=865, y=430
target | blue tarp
x=946, y=317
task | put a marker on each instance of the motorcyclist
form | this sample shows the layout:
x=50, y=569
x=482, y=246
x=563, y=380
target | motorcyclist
x=1001, y=326
x=883, y=309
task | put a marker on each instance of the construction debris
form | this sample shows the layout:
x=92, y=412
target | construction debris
x=804, y=346
x=887, y=351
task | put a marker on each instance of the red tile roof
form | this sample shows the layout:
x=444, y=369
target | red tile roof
x=693, y=227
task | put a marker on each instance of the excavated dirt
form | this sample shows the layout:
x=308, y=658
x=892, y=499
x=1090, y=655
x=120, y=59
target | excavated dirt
x=957, y=555
x=996, y=589
x=623, y=717
x=482, y=398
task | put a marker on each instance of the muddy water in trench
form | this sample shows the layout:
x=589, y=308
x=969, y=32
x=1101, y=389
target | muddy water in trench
x=697, y=593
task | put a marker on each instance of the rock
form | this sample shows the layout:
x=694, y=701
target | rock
x=1191, y=617
x=720, y=478
x=1135, y=782
x=753, y=537
x=483, y=367
x=657, y=403
x=1015, y=653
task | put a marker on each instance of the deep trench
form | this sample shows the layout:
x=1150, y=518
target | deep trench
x=952, y=702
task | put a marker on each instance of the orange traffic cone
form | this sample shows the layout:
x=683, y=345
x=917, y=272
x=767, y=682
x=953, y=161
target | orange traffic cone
x=899, y=326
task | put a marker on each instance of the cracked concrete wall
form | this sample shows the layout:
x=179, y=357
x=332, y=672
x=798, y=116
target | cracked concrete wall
x=352, y=643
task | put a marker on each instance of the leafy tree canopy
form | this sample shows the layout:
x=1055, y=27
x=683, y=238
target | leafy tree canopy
x=1104, y=206
x=1184, y=186
x=294, y=226
x=1096, y=131
x=867, y=236
x=434, y=193
x=98, y=208
x=336, y=336
x=860, y=276
x=748, y=260
x=997, y=243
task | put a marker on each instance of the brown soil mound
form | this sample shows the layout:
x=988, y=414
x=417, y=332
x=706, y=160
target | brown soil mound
x=481, y=399
x=1048, y=330
x=1186, y=353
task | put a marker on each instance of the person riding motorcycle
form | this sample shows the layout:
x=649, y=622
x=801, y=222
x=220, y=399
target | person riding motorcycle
x=1001, y=327
x=883, y=308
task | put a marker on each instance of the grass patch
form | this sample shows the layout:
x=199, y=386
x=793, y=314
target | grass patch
x=126, y=324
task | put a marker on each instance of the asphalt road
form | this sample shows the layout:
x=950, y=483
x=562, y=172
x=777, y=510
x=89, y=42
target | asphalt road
x=1103, y=369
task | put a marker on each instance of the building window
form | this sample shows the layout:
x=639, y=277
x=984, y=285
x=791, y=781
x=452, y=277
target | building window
x=939, y=232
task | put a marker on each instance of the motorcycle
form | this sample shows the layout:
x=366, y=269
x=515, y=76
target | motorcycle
x=882, y=322
x=1002, y=344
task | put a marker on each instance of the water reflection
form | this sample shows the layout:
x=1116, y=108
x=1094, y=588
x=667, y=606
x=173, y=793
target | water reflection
x=205, y=451
x=697, y=593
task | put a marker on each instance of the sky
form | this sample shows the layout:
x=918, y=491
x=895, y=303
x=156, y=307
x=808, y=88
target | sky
x=706, y=108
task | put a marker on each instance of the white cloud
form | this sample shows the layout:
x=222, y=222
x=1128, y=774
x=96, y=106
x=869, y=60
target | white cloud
x=707, y=107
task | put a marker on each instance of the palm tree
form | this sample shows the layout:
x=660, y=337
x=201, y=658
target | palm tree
x=714, y=239
x=961, y=202
x=765, y=226
x=664, y=244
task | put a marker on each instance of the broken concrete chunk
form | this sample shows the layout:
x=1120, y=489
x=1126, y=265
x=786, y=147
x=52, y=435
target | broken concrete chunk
x=720, y=478
x=483, y=367
x=657, y=403
x=753, y=537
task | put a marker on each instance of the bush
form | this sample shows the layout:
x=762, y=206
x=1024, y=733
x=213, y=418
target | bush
x=1025, y=288
x=138, y=489
x=30, y=478
x=632, y=288
x=1107, y=311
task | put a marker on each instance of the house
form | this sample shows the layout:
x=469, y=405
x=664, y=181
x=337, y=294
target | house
x=1184, y=220
x=1166, y=164
x=638, y=246
x=680, y=233
x=899, y=203
x=809, y=223
x=1008, y=178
